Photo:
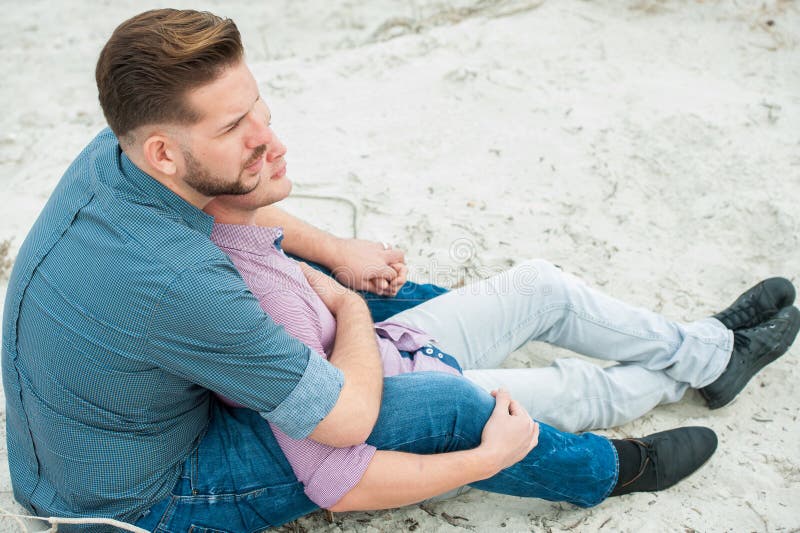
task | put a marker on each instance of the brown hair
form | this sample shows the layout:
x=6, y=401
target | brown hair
x=153, y=59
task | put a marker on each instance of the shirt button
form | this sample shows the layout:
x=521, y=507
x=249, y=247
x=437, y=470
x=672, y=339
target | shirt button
x=428, y=351
x=441, y=356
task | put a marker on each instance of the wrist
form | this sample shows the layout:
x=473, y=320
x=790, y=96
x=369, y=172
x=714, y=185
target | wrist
x=329, y=252
x=488, y=461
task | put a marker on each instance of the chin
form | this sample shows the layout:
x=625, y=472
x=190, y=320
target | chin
x=279, y=190
x=283, y=188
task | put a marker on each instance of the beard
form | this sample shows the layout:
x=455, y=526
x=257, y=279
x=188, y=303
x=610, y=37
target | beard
x=203, y=181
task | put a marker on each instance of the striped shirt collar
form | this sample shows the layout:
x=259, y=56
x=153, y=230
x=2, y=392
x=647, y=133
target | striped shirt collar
x=258, y=240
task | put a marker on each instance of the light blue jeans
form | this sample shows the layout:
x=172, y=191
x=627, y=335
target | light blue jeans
x=239, y=481
x=481, y=323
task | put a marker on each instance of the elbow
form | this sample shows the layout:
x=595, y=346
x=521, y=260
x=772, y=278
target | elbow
x=339, y=507
x=344, y=434
x=356, y=433
x=360, y=433
x=351, y=501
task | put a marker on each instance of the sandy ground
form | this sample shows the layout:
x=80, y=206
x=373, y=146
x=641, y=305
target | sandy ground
x=651, y=147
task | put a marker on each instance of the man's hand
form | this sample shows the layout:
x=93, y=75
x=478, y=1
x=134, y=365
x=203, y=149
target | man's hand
x=509, y=434
x=358, y=264
x=366, y=266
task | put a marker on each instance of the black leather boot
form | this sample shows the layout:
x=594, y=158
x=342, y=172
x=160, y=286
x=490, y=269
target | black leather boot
x=663, y=458
x=757, y=304
x=753, y=349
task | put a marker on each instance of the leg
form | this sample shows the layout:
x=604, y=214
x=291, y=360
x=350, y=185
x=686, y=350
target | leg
x=580, y=469
x=574, y=395
x=482, y=323
x=236, y=480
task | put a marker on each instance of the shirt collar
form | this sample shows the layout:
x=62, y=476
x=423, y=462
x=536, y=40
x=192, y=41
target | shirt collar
x=258, y=240
x=155, y=190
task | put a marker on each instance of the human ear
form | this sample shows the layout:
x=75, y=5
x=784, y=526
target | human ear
x=161, y=154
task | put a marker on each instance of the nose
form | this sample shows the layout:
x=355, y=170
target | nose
x=275, y=149
x=262, y=134
x=259, y=132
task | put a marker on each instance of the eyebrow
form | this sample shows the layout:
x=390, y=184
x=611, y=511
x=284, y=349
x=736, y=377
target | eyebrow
x=237, y=120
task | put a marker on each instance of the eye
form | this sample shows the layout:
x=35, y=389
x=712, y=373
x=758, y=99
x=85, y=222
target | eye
x=236, y=125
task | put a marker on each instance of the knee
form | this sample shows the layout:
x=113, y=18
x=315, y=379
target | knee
x=453, y=404
x=469, y=408
x=540, y=277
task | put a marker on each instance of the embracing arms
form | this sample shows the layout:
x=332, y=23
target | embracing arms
x=356, y=354
x=356, y=263
x=362, y=265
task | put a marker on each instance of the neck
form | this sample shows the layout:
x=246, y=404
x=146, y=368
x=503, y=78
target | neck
x=226, y=214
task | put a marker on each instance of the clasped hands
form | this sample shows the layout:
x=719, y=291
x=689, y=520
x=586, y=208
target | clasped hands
x=366, y=266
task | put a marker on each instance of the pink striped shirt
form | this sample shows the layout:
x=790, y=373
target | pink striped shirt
x=327, y=473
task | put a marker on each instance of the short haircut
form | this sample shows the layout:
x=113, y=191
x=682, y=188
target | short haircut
x=154, y=59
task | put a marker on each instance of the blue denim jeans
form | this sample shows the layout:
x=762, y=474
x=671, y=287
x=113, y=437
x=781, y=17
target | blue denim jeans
x=238, y=480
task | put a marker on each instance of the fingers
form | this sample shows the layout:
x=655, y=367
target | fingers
x=395, y=255
x=390, y=286
x=502, y=400
x=399, y=281
x=385, y=272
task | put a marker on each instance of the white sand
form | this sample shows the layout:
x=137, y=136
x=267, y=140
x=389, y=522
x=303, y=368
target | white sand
x=651, y=147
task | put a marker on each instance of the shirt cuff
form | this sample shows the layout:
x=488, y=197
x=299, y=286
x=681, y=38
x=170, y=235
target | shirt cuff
x=311, y=400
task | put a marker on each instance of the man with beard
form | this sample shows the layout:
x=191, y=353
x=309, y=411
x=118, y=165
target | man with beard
x=122, y=317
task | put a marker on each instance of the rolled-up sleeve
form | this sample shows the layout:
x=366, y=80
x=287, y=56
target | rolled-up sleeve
x=310, y=401
x=208, y=328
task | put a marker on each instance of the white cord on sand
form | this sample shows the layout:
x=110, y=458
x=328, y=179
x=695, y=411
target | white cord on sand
x=56, y=520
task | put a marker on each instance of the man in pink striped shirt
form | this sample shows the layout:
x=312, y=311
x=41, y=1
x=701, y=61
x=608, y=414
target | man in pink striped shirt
x=478, y=326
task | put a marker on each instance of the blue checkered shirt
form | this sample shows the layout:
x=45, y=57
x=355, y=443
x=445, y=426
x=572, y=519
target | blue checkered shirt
x=121, y=315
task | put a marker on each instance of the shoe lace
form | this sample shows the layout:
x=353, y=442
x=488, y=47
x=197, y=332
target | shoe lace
x=649, y=455
x=742, y=315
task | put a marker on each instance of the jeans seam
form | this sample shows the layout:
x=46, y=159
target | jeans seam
x=567, y=497
x=166, y=516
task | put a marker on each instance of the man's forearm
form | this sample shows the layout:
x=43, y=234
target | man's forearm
x=356, y=353
x=395, y=479
x=301, y=238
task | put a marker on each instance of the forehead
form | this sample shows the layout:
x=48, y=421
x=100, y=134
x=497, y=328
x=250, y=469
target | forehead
x=229, y=96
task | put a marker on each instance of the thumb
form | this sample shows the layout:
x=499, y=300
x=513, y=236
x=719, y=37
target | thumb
x=502, y=401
